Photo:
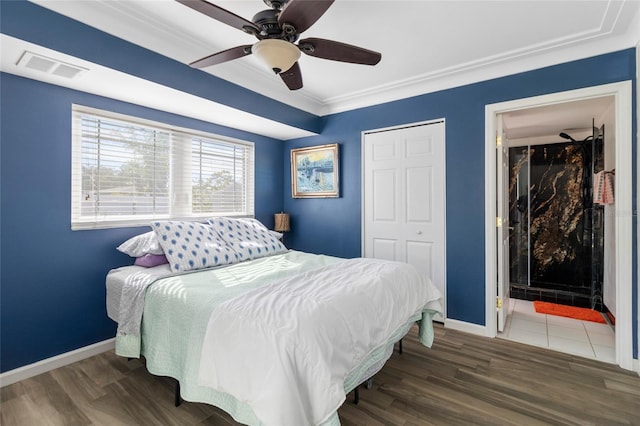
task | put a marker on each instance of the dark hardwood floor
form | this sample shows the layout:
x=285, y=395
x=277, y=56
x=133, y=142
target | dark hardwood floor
x=464, y=379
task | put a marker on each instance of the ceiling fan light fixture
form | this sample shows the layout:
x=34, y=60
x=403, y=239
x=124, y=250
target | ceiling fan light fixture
x=278, y=55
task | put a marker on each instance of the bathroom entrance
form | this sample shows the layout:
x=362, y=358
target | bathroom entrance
x=556, y=219
x=532, y=123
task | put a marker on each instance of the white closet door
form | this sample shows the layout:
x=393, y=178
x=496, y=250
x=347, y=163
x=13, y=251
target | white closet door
x=404, y=198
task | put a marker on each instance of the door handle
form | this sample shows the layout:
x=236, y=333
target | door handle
x=419, y=232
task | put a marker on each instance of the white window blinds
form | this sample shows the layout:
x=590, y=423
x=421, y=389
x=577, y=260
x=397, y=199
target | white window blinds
x=128, y=171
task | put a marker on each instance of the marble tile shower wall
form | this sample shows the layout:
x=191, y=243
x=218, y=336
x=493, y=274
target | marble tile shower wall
x=556, y=235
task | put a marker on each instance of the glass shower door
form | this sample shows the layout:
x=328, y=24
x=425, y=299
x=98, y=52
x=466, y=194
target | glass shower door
x=519, y=196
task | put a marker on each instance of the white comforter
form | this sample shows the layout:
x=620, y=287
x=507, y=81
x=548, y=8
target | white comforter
x=285, y=349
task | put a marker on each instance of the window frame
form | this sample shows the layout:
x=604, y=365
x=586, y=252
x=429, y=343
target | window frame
x=180, y=149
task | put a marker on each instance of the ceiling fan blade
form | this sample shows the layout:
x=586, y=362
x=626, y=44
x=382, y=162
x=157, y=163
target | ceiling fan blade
x=302, y=14
x=224, y=56
x=292, y=77
x=222, y=15
x=336, y=51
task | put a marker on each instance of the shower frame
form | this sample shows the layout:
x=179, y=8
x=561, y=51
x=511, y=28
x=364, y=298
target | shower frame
x=592, y=230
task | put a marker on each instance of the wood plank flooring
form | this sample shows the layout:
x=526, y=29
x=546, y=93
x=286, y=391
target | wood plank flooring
x=464, y=379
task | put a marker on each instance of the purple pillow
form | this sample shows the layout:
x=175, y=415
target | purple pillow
x=150, y=260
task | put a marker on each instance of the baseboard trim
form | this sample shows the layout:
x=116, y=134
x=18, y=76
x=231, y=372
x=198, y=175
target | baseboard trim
x=467, y=327
x=27, y=371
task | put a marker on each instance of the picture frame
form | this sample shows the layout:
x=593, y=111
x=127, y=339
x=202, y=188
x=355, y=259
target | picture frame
x=315, y=172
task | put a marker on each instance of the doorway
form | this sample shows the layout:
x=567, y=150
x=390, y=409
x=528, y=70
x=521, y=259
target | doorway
x=559, y=227
x=620, y=94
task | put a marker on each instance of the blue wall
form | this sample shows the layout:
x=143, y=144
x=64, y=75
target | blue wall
x=53, y=279
x=332, y=226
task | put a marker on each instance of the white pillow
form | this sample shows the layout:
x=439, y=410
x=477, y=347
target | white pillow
x=140, y=245
x=250, y=238
x=192, y=245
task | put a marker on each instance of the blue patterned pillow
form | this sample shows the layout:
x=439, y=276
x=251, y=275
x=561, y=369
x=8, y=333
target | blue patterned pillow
x=250, y=238
x=192, y=245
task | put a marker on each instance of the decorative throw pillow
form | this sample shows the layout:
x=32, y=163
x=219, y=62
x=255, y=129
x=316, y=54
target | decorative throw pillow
x=275, y=234
x=193, y=245
x=257, y=223
x=151, y=260
x=140, y=245
x=250, y=238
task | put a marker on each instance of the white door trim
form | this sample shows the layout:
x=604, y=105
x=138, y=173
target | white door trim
x=637, y=361
x=622, y=93
x=362, y=191
x=638, y=186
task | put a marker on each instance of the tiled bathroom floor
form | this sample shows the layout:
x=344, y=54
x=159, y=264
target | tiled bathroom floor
x=583, y=338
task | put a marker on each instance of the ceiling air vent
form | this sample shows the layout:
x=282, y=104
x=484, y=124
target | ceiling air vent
x=41, y=63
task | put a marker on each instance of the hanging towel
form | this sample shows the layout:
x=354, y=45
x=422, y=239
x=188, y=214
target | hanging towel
x=607, y=192
x=603, y=188
x=598, y=187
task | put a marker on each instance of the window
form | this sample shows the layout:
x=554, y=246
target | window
x=129, y=171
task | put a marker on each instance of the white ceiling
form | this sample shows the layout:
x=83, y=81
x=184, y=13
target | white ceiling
x=574, y=118
x=128, y=88
x=426, y=45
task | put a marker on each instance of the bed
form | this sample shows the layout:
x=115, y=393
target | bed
x=276, y=339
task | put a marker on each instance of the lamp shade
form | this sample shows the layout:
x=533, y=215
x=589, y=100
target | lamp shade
x=279, y=55
x=281, y=221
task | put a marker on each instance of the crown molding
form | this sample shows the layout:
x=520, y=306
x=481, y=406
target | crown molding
x=582, y=45
x=125, y=18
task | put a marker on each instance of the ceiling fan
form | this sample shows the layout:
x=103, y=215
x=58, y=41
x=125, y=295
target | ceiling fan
x=277, y=30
